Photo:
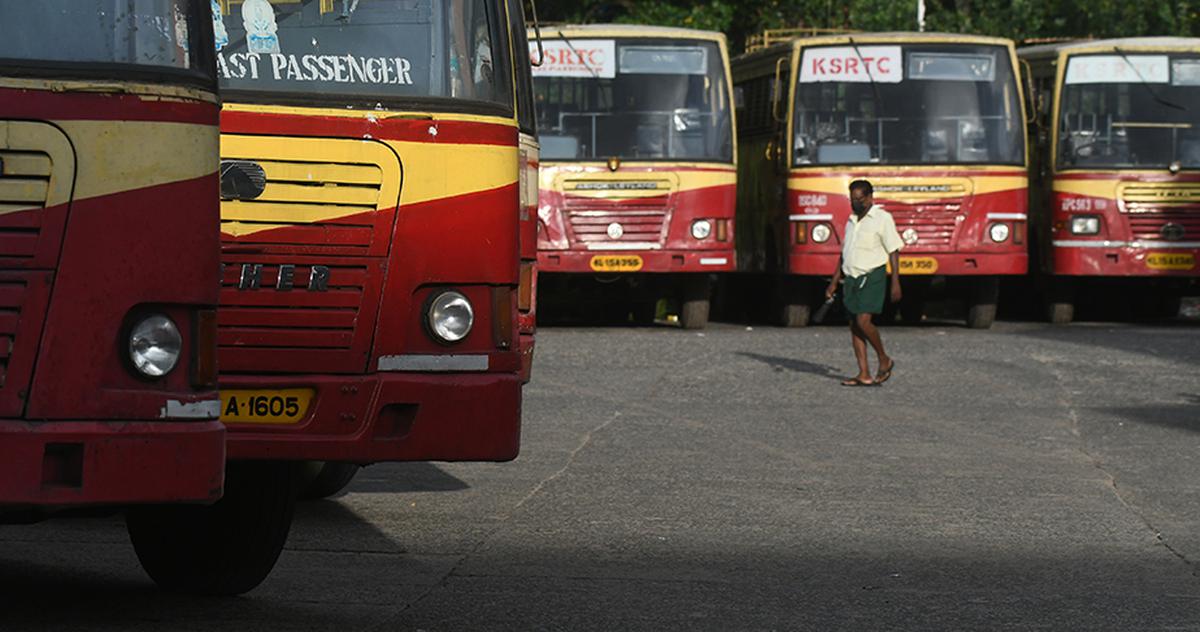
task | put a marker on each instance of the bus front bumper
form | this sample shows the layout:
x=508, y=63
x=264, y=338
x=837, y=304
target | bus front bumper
x=91, y=463
x=652, y=261
x=1122, y=259
x=919, y=263
x=386, y=417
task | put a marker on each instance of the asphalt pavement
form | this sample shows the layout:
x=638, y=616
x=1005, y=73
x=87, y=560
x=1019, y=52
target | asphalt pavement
x=1027, y=477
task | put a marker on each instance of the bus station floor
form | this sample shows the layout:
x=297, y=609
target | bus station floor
x=1026, y=477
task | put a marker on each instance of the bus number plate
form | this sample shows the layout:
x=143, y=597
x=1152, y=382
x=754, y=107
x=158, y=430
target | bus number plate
x=918, y=265
x=616, y=263
x=286, y=406
x=1171, y=261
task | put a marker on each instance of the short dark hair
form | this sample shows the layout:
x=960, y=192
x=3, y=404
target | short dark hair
x=862, y=185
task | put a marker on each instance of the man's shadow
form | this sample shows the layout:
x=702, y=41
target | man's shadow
x=796, y=366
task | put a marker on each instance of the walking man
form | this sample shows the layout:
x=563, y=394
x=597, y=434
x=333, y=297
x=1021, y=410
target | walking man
x=869, y=244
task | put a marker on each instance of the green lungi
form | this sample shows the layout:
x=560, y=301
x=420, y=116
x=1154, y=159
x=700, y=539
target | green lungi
x=864, y=294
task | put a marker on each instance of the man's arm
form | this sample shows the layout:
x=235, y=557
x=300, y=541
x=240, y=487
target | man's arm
x=833, y=283
x=894, y=261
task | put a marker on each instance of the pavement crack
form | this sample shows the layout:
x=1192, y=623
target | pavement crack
x=571, y=456
x=444, y=580
x=1075, y=428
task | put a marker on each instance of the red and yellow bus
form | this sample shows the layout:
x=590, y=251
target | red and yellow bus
x=936, y=122
x=372, y=304
x=1118, y=201
x=108, y=260
x=638, y=175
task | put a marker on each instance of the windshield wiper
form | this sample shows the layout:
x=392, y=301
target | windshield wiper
x=595, y=75
x=1146, y=84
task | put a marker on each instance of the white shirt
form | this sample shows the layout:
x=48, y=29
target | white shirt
x=869, y=241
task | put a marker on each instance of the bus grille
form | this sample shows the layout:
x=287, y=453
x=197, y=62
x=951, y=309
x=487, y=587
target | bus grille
x=11, y=295
x=935, y=223
x=1157, y=212
x=311, y=207
x=1185, y=225
x=24, y=186
x=638, y=225
x=266, y=328
x=302, y=205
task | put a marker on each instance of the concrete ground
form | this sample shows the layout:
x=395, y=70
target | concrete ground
x=1023, y=477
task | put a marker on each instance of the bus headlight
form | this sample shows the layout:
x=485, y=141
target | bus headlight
x=998, y=232
x=155, y=345
x=821, y=233
x=1085, y=225
x=450, y=316
x=701, y=229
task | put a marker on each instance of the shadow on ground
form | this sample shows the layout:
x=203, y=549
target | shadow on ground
x=397, y=478
x=796, y=366
x=1182, y=416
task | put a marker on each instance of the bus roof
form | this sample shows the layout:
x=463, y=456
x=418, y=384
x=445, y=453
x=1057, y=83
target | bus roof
x=1091, y=46
x=901, y=36
x=784, y=48
x=626, y=30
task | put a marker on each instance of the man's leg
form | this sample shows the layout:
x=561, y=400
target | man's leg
x=860, y=352
x=871, y=333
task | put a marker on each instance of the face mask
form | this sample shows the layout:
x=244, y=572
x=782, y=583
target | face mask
x=858, y=206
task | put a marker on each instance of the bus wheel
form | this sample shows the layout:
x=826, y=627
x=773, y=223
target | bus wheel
x=331, y=477
x=693, y=312
x=981, y=307
x=795, y=315
x=1060, y=313
x=226, y=548
x=795, y=308
x=1060, y=302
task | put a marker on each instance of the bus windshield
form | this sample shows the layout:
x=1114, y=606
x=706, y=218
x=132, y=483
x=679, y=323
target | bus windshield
x=928, y=104
x=1130, y=111
x=361, y=51
x=639, y=99
x=154, y=33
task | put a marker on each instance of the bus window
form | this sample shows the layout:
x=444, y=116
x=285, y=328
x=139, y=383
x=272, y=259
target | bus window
x=366, y=50
x=923, y=104
x=1130, y=112
x=652, y=99
x=134, y=32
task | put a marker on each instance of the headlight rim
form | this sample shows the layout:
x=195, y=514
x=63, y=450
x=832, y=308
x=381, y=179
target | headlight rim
x=431, y=328
x=707, y=230
x=134, y=322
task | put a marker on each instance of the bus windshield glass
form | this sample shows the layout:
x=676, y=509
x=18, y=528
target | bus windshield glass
x=908, y=104
x=153, y=33
x=360, y=51
x=638, y=99
x=1130, y=111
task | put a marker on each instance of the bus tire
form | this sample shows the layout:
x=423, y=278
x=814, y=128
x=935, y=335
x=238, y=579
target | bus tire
x=795, y=315
x=981, y=308
x=694, y=308
x=331, y=478
x=1060, y=313
x=694, y=314
x=227, y=548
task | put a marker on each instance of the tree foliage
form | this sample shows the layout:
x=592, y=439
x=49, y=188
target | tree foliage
x=1020, y=20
